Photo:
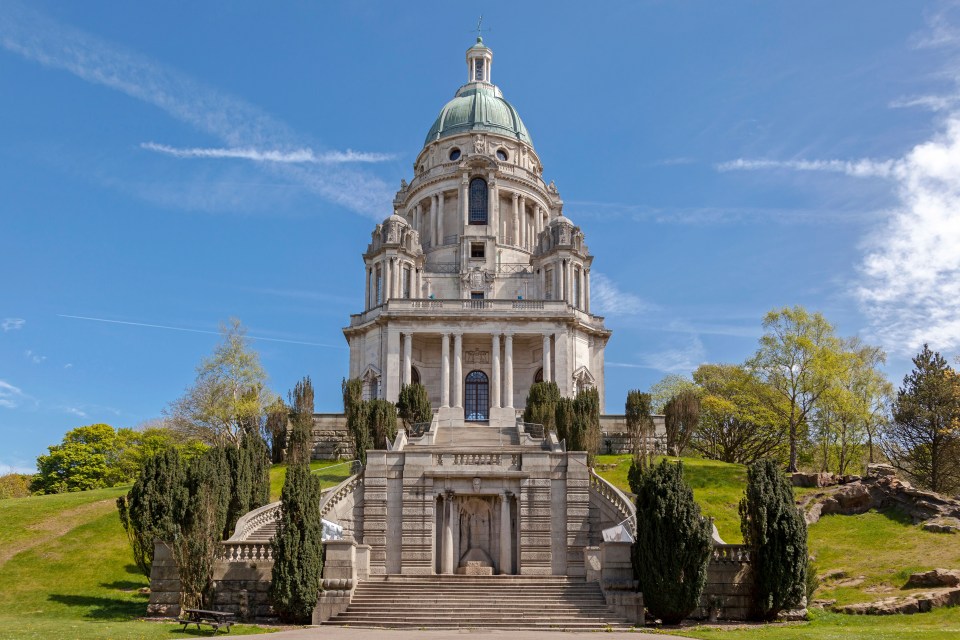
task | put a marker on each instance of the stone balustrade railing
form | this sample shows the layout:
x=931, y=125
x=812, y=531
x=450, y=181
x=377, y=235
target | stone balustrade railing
x=254, y=520
x=340, y=491
x=731, y=553
x=246, y=551
x=618, y=499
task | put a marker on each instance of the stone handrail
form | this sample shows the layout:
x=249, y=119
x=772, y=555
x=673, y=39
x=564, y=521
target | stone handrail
x=619, y=500
x=336, y=494
x=253, y=520
x=238, y=551
x=734, y=553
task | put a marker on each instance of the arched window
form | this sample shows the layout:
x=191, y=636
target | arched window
x=538, y=376
x=477, y=397
x=478, y=201
x=414, y=376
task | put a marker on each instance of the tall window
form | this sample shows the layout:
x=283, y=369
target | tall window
x=478, y=74
x=476, y=397
x=406, y=282
x=478, y=201
x=548, y=284
x=576, y=287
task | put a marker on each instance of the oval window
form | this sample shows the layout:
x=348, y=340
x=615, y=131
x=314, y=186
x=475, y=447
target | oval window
x=502, y=155
x=454, y=154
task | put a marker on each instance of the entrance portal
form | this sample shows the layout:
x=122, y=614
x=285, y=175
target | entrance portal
x=477, y=397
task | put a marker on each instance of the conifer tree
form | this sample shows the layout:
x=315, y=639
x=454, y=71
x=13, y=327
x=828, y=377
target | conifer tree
x=297, y=546
x=542, y=405
x=640, y=426
x=682, y=415
x=772, y=524
x=382, y=422
x=413, y=405
x=356, y=413
x=672, y=549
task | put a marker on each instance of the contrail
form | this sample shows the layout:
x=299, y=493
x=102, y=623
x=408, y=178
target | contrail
x=212, y=333
x=293, y=157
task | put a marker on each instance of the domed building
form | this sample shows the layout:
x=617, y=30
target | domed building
x=477, y=285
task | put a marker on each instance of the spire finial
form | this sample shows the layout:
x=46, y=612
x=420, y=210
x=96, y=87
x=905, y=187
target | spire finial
x=480, y=30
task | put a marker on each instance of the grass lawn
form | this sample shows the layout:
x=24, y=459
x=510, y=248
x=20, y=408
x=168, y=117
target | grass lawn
x=330, y=472
x=943, y=624
x=67, y=571
x=717, y=487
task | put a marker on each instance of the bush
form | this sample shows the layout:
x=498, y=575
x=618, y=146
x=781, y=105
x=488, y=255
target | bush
x=672, y=549
x=542, y=405
x=14, y=485
x=382, y=421
x=772, y=524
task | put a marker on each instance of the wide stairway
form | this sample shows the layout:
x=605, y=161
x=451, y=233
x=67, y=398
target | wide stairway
x=488, y=602
x=472, y=435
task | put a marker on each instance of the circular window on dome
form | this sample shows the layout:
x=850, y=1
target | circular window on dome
x=454, y=154
x=502, y=155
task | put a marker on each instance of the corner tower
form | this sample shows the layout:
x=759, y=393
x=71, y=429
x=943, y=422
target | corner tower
x=477, y=285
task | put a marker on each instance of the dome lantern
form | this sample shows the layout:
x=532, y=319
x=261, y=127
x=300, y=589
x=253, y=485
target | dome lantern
x=479, y=62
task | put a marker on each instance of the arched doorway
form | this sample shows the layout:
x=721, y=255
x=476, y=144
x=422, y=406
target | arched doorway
x=476, y=397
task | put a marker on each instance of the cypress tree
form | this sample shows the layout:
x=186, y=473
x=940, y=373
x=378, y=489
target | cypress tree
x=240, y=485
x=382, y=421
x=672, y=549
x=587, y=408
x=153, y=505
x=542, y=405
x=278, y=419
x=563, y=418
x=258, y=459
x=297, y=547
x=413, y=405
x=355, y=410
x=772, y=524
x=640, y=425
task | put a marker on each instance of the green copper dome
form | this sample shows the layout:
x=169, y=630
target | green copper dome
x=478, y=107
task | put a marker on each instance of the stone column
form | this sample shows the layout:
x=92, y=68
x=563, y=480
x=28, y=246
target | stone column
x=508, y=370
x=458, y=370
x=505, y=533
x=440, y=219
x=445, y=370
x=495, y=372
x=546, y=358
x=433, y=221
x=586, y=290
x=568, y=273
x=516, y=220
x=493, y=201
x=407, y=355
x=446, y=561
x=455, y=529
x=465, y=200
x=366, y=293
x=522, y=239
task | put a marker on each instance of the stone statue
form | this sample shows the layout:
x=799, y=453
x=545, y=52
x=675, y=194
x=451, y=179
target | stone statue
x=478, y=145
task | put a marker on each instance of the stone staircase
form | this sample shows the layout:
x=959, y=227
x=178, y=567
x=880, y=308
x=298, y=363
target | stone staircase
x=475, y=436
x=487, y=602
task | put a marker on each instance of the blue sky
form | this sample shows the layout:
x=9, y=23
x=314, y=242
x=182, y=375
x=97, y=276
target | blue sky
x=167, y=166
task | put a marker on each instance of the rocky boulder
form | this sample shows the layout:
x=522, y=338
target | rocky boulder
x=942, y=525
x=802, y=479
x=934, y=578
x=915, y=603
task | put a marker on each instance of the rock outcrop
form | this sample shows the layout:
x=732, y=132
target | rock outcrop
x=914, y=603
x=934, y=578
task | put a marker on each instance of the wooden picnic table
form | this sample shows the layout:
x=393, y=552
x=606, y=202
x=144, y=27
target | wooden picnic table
x=215, y=619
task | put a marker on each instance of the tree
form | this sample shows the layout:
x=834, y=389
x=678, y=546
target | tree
x=356, y=413
x=666, y=388
x=577, y=421
x=14, y=485
x=88, y=458
x=673, y=545
x=772, y=524
x=682, y=415
x=249, y=478
x=413, y=405
x=154, y=505
x=641, y=428
x=297, y=546
x=923, y=440
x=228, y=397
x=278, y=419
x=798, y=358
x=541, y=405
x=737, y=423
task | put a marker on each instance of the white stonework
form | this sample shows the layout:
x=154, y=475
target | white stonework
x=477, y=268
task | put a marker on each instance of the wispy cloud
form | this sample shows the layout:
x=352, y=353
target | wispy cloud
x=711, y=215
x=682, y=358
x=607, y=298
x=864, y=168
x=190, y=330
x=12, y=324
x=10, y=396
x=238, y=124
x=296, y=156
x=77, y=412
x=34, y=357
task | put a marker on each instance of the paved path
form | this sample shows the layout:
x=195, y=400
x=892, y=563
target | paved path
x=345, y=633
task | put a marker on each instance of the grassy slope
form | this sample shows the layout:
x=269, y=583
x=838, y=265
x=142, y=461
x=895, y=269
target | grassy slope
x=884, y=548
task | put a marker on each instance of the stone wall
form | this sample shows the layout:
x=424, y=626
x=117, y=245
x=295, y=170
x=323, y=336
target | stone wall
x=239, y=587
x=331, y=439
x=615, y=437
x=729, y=583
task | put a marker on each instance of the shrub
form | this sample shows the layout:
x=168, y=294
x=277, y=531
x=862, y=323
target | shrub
x=14, y=485
x=382, y=422
x=772, y=524
x=413, y=405
x=542, y=404
x=673, y=543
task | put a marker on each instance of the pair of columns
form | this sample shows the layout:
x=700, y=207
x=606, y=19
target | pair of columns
x=525, y=232
x=451, y=532
x=391, y=280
